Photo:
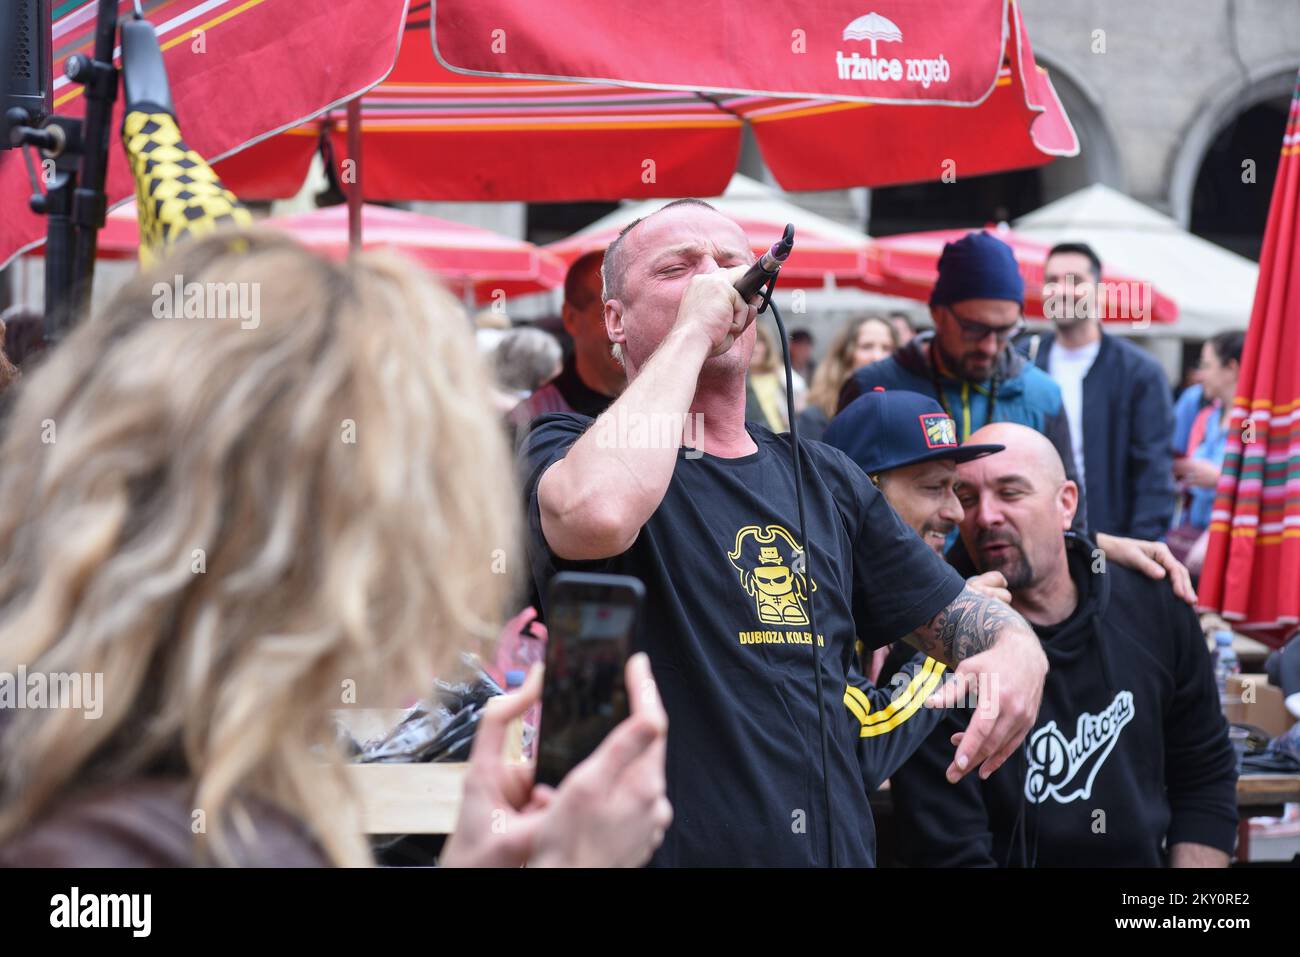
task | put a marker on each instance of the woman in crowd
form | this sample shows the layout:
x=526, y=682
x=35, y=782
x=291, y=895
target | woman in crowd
x=237, y=522
x=765, y=386
x=1198, y=471
x=859, y=343
x=523, y=361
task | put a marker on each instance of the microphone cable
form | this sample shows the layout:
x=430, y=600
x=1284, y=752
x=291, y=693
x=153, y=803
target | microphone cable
x=766, y=294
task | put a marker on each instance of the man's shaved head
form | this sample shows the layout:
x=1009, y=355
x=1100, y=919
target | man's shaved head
x=1018, y=506
x=614, y=267
x=1026, y=445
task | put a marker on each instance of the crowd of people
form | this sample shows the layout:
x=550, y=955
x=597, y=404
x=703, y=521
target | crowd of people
x=232, y=522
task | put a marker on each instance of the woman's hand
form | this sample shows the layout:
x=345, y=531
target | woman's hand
x=611, y=810
x=498, y=814
x=1196, y=472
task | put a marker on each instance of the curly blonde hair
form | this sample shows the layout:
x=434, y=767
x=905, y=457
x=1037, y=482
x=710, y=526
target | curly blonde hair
x=231, y=523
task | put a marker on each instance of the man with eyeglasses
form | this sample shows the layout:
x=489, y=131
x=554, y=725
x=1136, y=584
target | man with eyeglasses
x=970, y=367
x=967, y=363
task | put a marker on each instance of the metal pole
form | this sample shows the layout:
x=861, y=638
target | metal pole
x=355, y=192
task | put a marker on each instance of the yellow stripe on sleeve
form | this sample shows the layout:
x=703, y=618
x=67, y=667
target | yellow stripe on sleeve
x=922, y=685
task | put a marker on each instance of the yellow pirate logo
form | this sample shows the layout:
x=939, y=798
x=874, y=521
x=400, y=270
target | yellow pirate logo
x=770, y=563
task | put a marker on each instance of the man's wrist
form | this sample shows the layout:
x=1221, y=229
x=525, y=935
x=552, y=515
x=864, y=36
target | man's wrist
x=687, y=343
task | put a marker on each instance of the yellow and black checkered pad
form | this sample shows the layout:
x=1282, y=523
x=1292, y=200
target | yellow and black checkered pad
x=176, y=191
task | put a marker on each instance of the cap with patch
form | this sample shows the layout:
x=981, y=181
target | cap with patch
x=887, y=430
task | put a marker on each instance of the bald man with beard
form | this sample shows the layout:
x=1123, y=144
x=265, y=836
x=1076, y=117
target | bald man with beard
x=1128, y=763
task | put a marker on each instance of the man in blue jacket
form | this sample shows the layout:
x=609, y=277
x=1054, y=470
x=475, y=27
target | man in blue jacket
x=968, y=363
x=1116, y=398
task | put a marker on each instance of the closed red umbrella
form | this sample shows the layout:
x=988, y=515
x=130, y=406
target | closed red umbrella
x=239, y=70
x=542, y=127
x=908, y=265
x=1252, y=566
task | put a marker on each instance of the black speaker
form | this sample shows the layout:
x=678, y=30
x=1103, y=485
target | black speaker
x=26, y=79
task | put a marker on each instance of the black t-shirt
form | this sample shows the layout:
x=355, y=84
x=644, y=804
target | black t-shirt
x=581, y=397
x=728, y=636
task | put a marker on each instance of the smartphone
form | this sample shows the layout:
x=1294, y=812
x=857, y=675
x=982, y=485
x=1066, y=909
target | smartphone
x=592, y=622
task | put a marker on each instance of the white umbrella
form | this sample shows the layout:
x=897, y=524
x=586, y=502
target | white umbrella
x=1214, y=288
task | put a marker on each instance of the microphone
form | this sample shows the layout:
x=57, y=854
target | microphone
x=768, y=265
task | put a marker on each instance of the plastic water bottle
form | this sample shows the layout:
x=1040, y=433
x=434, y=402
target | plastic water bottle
x=1225, y=661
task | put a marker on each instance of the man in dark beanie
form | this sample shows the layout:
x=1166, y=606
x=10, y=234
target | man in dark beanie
x=967, y=363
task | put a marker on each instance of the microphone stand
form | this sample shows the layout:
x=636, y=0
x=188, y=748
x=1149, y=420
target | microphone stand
x=74, y=202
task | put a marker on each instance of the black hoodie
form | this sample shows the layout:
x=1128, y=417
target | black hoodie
x=1129, y=753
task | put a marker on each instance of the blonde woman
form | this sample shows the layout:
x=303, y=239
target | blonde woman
x=859, y=343
x=765, y=384
x=231, y=520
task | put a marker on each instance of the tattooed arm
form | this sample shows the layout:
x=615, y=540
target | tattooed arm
x=983, y=637
x=968, y=626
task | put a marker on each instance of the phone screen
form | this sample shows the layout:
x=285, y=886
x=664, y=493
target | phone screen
x=590, y=620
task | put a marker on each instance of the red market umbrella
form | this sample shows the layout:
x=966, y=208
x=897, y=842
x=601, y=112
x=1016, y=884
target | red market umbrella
x=429, y=133
x=908, y=265
x=1252, y=565
x=906, y=93
x=536, y=123
x=466, y=258
x=239, y=70
x=823, y=248
x=762, y=47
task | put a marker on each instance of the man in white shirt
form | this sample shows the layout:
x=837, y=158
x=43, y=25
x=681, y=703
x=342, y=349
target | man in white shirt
x=1069, y=367
x=1116, y=398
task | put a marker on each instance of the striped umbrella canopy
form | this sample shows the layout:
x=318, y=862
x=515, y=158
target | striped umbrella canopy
x=469, y=260
x=239, y=70
x=440, y=127
x=908, y=265
x=824, y=250
x=1252, y=565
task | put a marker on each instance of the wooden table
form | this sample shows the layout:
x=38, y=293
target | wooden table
x=1253, y=790
x=1257, y=790
x=401, y=798
x=425, y=798
x=409, y=798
